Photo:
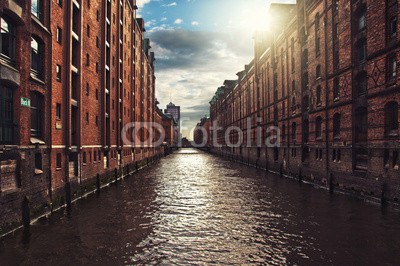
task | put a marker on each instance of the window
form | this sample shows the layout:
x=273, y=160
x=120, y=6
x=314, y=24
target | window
x=319, y=96
x=293, y=56
x=317, y=35
x=318, y=128
x=88, y=30
x=97, y=42
x=361, y=83
x=318, y=72
x=392, y=27
x=336, y=6
x=84, y=158
x=58, y=111
x=36, y=57
x=87, y=88
x=361, y=125
x=391, y=119
x=94, y=156
x=37, y=114
x=362, y=51
x=7, y=40
x=99, y=155
x=284, y=133
x=306, y=105
x=58, y=72
x=294, y=131
x=395, y=158
x=392, y=11
x=59, y=35
x=306, y=130
x=336, y=32
x=6, y=115
x=335, y=88
x=392, y=67
x=58, y=161
x=59, y=2
x=336, y=126
x=97, y=94
x=37, y=9
x=38, y=161
x=361, y=20
x=87, y=118
x=87, y=60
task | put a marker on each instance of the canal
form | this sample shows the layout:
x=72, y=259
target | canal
x=195, y=209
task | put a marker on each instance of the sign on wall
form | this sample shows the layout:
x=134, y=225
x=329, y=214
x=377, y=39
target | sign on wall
x=25, y=102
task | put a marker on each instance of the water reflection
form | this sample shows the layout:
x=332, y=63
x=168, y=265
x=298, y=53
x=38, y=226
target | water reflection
x=195, y=209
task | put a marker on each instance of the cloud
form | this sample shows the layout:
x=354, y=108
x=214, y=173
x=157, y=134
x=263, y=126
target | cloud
x=178, y=21
x=195, y=23
x=191, y=65
x=171, y=4
x=163, y=19
x=141, y=3
x=150, y=23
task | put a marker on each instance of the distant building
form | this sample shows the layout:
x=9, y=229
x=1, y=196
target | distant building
x=175, y=112
x=201, y=134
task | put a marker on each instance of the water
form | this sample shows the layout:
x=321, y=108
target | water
x=195, y=209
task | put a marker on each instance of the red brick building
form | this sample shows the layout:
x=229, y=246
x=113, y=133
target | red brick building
x=326, y=79
x=73, y=74
x=201, y=135
x=25, y=106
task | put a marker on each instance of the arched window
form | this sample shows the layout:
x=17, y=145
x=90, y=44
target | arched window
x=7, y=40
x=318, y=128
x=37, y=114
x=37, y=57
x=392, y=119
x=336, y=125
x=6, y=115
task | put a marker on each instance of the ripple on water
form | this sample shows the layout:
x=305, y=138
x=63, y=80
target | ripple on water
x=195, y=209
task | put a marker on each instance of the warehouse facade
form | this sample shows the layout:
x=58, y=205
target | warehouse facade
x=324, y=84
x=72, y=75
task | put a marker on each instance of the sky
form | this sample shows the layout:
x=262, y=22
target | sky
x=198, y=44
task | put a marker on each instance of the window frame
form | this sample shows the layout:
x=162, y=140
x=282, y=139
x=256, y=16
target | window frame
x=37, y=54
x=37, y=108
x=6, y=115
